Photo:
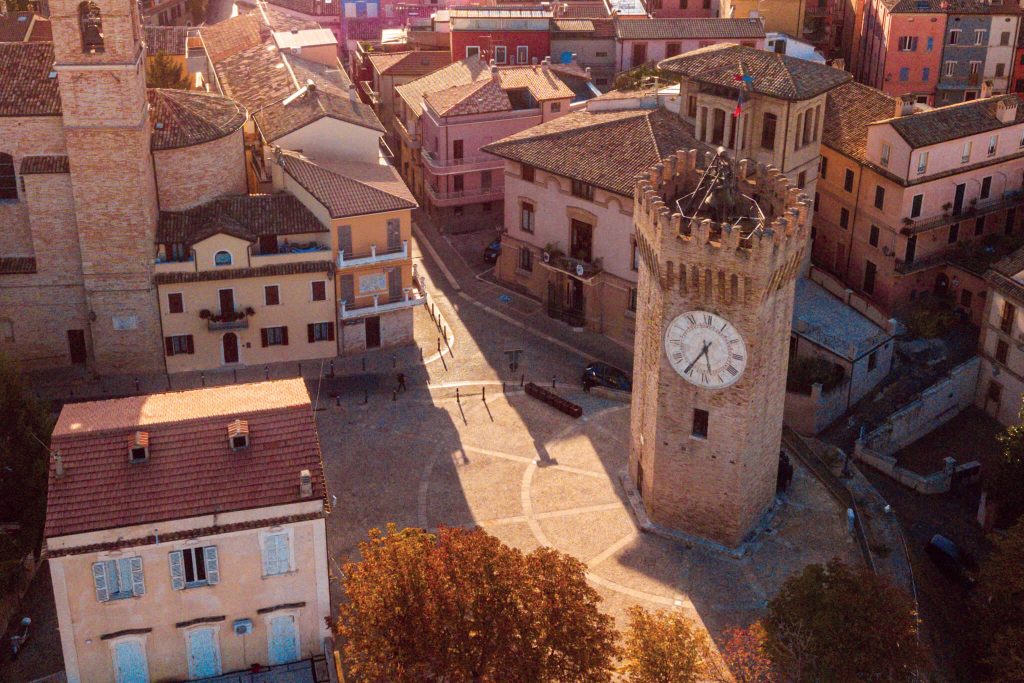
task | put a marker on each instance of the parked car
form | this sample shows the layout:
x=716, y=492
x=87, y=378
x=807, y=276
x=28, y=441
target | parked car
x=492, y=251
x=604, y=375
x=951, y=559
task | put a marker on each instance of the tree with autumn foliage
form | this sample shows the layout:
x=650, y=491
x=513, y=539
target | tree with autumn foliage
x=745, y=651
x=462, y=607
x=665, y=647
x=999, y=601
x=837, y=623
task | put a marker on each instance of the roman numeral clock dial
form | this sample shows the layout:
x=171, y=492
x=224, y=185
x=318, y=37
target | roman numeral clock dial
x=705, y=349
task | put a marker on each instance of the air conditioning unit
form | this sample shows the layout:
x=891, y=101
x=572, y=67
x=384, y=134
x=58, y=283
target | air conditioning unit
x=242, y=627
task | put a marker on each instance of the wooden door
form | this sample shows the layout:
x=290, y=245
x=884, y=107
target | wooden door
x=373, y=332
x=227, y=300
x=230, y=342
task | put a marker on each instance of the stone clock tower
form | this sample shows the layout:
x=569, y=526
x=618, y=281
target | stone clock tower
x=721, y=245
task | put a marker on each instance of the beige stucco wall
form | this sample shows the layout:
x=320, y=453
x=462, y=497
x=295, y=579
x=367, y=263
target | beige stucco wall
x=331, y=139
x=242, y=590
x=189, y=176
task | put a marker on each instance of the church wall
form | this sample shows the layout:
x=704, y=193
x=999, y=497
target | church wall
x=189, y=176
x=22, y=136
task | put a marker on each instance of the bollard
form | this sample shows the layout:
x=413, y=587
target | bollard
x=332, y=369
x=553, y=382
x=421, y=353
x=202, y=378
x=300, y=369
x=394, y=394
x=337, y=400
x=458, y=399
x=366, y=396
x=266, y=372
x=439, y=345
x=137, y=385
x=483, y=393
x=522, y=378
x=394, y=361
x=235, y=371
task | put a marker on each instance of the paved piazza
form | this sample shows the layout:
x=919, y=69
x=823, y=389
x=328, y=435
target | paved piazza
x=532, y=476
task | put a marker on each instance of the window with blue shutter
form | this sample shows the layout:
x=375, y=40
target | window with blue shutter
x=118, y=579
x=194, y=567
x=212, y=565
x=99, y=578
x=276, y=554
x=177, y=570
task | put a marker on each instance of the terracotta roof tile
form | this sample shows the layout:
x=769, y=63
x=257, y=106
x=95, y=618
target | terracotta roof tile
x=26, y=88
x=44, y=164
x=478, y=97
x=283, y=21
x=319, y=262
x=255, y=215
x=581, y=10
x=954, y=121
x=458, y=73
x=42, y=31
x=349, y=189
x=688, y=28
x=416, y=63
x=848, y=111
x=169, y=40
x=17, y=265
x=483, y=94
x=14, y=27
x=231, y=36
x=191, y=470
x=572, y=25
x=577, y=145
x=182, y=118
x=328, y=78
x=255, y=77
x=774, y=74
x=315, y=8
x=949, y=7
x=280, y=118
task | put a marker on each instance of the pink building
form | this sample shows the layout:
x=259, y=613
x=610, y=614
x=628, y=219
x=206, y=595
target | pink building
x=646, y=41
x=444, y=119
x=900, y=48
x=676, y=9
x=920, y=202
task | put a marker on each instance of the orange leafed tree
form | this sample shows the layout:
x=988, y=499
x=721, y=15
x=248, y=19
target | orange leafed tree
x=462, y=607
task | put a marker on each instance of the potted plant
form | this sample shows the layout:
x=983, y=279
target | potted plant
x=205, y=314
x=249, y=310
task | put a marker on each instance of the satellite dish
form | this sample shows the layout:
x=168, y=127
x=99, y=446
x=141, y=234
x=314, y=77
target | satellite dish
x=546, y=256
x=579, y=270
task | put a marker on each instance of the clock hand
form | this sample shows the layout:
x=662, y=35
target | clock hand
x=696, y=358
x=707, y=358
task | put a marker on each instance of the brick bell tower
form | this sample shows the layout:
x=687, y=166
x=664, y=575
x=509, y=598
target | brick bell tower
x=721, y=244
x=101, y=72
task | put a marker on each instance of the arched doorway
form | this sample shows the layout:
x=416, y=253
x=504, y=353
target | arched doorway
x=230, y=342
x=941, y=285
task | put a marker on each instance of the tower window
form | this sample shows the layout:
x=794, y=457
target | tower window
x=700, y=423
x=91, y=26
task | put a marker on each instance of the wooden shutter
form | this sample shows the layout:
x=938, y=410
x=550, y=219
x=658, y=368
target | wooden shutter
x=284, y=335
x=169, y=346
x=263, y=336
x=138, y=584
x=99, y=579
x=311, y=333
x=177, y=570
x=212, y=565
x=330, y=331
x=190, y=343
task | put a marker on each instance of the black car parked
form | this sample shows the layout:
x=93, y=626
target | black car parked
x=492, y=251
x=604, y=375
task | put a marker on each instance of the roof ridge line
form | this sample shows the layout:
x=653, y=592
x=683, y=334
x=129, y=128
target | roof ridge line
x=645, y=113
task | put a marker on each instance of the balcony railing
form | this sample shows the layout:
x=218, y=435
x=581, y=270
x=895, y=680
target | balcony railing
x=371, y=94
x=374, y=255
x=982, y=208
x=381, y=303
x=479, y=162
x=226, y=320
x=483, y=194
x=314, y=251
x=574, y=266
x=410, y=139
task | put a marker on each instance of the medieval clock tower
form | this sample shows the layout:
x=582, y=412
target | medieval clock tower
x=721, y=245
x=101, y=72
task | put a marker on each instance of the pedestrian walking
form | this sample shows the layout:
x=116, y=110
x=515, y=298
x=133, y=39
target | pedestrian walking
x=401, y=381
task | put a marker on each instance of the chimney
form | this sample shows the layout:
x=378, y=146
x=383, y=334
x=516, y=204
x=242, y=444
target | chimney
x=59, y=469
x=839, y=63
x=305, y=484
x=545, y=63
x=986, y=89
x=904, y=106
x=310, y=87
x=1006, y=110
x=494, y=72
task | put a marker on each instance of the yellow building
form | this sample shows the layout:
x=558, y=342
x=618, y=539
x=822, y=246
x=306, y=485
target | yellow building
x=185, y=534
x=780, y=16
x=245, y=280
x=369, y=210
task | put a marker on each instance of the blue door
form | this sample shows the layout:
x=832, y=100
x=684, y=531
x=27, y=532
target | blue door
x=203, y=658
x=130, y=662
x=284, y=640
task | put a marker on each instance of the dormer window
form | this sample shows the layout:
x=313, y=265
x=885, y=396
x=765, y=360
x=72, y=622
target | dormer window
x=91, y=26
x=138, y=448
x=238, y=434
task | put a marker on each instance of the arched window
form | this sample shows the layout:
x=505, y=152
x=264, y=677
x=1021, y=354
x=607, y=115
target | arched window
x=222, y=258
x=8, y=183
x=91, y=26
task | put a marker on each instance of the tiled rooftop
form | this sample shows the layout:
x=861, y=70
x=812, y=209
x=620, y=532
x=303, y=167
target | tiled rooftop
x=231, y=36
x=849, y=110
x=280, y=118
x=182, y=118
x=319, y=263
x=577, y=145
x=15, y=27
x=349, y=188
x=40, y=165
x=950, y=7
x=169, y=40
x=955, y=121
x=254, y=215
x=775, y=75
x=687, y=28
x=191, y=470
x=582, y=10
x=831, y=324
x=314, y=8
x=417, y=63
x=255, y=77
x=26, y=88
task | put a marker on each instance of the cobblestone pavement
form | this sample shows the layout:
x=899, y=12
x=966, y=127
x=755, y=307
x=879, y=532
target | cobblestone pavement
x=532, y=476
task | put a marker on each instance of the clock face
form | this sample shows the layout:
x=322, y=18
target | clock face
x=705, y=349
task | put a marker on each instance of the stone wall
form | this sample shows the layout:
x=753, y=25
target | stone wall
x=189, y=176
x=809, y=414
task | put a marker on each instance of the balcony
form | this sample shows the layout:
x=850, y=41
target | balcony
x=161, y=266
x=410, y=139
x=573, y=266
x=371, y=94
x=314, y=251
x=229, y=320
x=373, y=256
x=483, y=194
x=982, y=208
x=381, y=304
x=480, y=162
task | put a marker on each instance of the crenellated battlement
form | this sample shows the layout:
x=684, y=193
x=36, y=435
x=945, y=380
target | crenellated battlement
x=719, y=261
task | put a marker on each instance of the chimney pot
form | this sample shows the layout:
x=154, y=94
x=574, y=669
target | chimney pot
x=59, y=469
x=1006, y=110
x=305, y=484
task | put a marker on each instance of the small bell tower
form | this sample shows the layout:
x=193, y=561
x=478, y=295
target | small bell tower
x=101, y=70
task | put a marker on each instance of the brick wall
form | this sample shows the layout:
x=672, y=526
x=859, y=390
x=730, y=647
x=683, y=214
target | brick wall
x=189, y=176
